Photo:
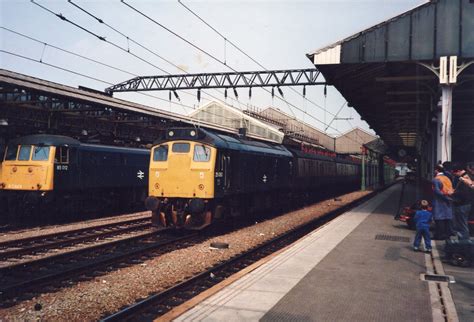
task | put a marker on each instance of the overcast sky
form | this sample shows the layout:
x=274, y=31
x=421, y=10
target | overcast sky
x=277, y=34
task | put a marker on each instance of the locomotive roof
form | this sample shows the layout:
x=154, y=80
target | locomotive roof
x=61, y=140
x=222, y=141
x=46, y=139
x=112, y=148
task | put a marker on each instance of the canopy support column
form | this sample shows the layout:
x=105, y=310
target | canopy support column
x=444, y=124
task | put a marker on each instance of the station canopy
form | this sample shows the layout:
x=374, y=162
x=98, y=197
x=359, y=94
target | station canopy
x=228, y=116
x=390, y=73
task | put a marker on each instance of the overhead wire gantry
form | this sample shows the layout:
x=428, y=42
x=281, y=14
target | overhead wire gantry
x=271, y=78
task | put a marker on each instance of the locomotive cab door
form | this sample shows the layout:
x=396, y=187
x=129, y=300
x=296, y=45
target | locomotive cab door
x=222, y=173
x=65, y=168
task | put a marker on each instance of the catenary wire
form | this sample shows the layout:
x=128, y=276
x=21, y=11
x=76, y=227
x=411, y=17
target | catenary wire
x=81, y=74
x=213, y=57
x=128, y=39
x=259, y=64
x=117, y=46
x=100, y=20
x=242, y=51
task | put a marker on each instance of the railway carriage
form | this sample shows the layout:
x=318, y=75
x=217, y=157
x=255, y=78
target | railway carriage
x=198, y=176
x=50, y=173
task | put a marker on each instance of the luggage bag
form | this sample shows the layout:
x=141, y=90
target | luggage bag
x=460, y=252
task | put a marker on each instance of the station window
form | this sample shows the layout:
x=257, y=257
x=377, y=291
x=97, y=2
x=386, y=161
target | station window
x=201, y=153
x=40, y=153
x=11, y=153
x=181, y=147
x=62, y=155
x=160, y=153
x=24, y=154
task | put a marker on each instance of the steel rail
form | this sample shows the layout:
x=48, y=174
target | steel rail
x=68, y=240
x=18, y=242
x=15, y=289
x=293, y=234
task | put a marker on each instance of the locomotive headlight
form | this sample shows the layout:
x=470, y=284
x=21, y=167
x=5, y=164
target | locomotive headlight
x=170, y=133
x=193, y=133
x=157, y=186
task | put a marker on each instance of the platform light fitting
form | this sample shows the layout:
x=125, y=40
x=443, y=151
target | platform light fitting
x=3, y=122
x=84, y=132
x=235, y=93
x=137, y=139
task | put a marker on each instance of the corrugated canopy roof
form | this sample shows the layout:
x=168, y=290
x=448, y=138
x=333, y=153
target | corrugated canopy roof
x=384, y=72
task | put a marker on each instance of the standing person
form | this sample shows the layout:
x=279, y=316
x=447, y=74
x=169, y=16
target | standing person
x=470, y=174
x=423, y=219
x=442, y=210
x=448, y=171
x=463, y=197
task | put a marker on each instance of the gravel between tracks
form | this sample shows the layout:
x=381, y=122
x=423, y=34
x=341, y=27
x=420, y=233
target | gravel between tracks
x=46, y=230
x=89, y=300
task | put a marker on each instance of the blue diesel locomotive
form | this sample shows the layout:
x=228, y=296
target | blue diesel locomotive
x=51, y=174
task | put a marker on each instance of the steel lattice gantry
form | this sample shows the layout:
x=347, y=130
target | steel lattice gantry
x=274, y=78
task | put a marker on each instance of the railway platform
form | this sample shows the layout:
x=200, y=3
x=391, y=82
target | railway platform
x=358, y=267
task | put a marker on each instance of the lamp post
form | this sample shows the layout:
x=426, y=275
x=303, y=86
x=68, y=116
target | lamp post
x=362, y=181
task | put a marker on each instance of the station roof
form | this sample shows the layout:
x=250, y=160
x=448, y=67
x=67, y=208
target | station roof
x=386, y=72
x=31, y=105
x=218, y=113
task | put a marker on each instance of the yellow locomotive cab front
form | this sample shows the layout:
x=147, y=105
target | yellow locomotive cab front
x=28, y=168
x=182, y=169
x=181, y=183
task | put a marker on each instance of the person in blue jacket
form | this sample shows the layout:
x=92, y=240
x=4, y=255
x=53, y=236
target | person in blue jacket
x=423, y=219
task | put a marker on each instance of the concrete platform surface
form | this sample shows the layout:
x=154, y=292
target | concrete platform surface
x=358, y=267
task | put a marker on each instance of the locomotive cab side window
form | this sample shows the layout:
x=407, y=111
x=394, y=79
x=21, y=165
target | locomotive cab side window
x=24, y=153
x=10, y=155
x=62, y=155
x=160, y=153
x=201, y=153
x=181, y=147
x=40, y=153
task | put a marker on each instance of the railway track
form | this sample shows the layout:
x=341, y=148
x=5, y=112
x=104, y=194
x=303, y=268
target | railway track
x=159, y=304
x=24, y=279
x=15, y=249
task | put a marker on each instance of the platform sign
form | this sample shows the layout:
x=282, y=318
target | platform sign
x=453, y=69
x=443, y=70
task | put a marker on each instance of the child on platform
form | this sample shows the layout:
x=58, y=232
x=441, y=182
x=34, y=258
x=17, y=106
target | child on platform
x=423, y=219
